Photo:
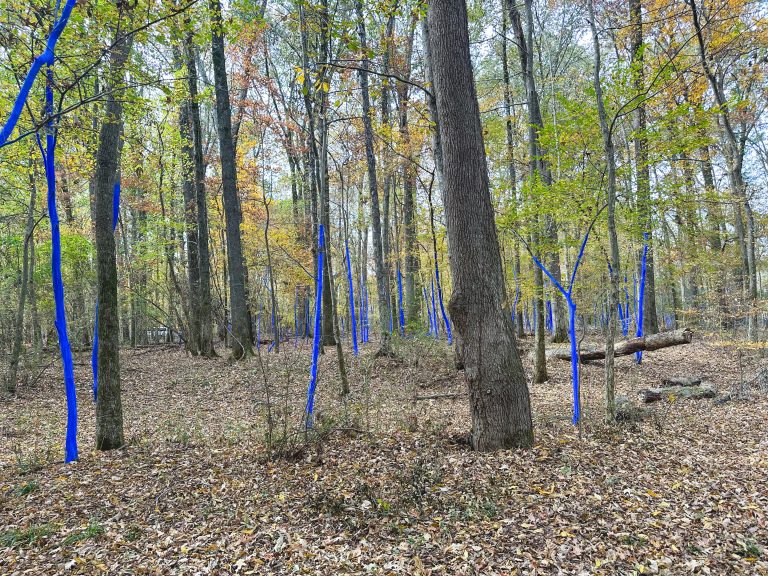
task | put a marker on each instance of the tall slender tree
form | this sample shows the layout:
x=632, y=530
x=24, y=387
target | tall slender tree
x=373, y=186
x=109, y=407
x=238, y=290
x=642, y=169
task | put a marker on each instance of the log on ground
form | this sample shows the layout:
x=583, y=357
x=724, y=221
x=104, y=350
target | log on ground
x=641, y=344
x=690, y=392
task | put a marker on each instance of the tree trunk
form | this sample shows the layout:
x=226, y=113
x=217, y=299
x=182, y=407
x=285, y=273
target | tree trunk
x=499, y=400
x=512, y=169
x=734, y=156
x=614, y=271
x=539, y=164
x=381, y=281
x=109, y=408
x=18, y=328
x=642, y=169
x=201, y=203
x=412, y=290
x=190, y=223
x=238, y=291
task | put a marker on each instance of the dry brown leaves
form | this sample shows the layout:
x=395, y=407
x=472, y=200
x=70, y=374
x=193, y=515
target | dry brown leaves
x=682, y=492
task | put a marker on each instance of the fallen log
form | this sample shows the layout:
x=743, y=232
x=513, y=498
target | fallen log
x=627, y=347
x=650, y=395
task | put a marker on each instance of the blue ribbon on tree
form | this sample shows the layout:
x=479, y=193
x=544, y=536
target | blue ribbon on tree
x=351, y=299
x=400, y=301
x=95, y=351
x=641, y=296
x=316, y=336
x=448, y=332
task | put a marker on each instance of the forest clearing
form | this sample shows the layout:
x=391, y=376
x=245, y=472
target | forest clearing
x=391, y=488
x=383, y=287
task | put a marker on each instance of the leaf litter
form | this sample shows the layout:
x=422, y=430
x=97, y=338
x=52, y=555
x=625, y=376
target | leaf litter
x=389, y=485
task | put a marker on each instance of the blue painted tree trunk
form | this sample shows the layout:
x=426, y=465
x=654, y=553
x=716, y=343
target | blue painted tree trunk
x=351, y=284
x=641, y=296
x=316, y=336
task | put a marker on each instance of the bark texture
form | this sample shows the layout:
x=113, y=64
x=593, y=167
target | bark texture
x=499, y=400
x=642, y=168
x=238, y=293
x=109, y=407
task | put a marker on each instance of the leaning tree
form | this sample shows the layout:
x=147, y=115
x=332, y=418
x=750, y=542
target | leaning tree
x=498, y=393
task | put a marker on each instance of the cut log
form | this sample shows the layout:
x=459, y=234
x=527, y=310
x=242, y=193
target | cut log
x=626, y=347
x=691, y=392
x=681, y=381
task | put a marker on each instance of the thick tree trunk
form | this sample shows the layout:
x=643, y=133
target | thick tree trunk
x=109, y=408
x=642, y=168
x=642, y=344
x=190, y=223
x=499, y=400
x=201, y=206
x=238, y=290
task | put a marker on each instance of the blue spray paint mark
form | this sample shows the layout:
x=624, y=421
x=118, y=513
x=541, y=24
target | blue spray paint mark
x=95, y=351
x=567, y=294
x=429, y=314
x=316, y=337
x=448, y=333
x=550, y=320
x=400, y=301
x=275, y=334
x=296, y=318
x=353, y=320
x=641, y=296
x=258, y=331
x=70, y=444
x=436, y=331
x=46, y=58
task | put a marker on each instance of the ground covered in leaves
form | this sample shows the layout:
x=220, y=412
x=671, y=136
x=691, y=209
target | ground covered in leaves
x=387, y=486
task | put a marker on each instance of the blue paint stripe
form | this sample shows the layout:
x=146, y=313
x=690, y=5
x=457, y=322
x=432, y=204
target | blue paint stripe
x=316, y=337
x=351, y=300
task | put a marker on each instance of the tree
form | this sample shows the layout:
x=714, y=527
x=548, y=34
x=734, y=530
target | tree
x=205, y=342
x=642, y=168
x=18, y=328
x=540, y=171
x=499, y=400
x=109, y=407
x=734, y=145
x=238, y=291
x=613, y=267
x=381, y=271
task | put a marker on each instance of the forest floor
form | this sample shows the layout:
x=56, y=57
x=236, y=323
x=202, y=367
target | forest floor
x=390, y=487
